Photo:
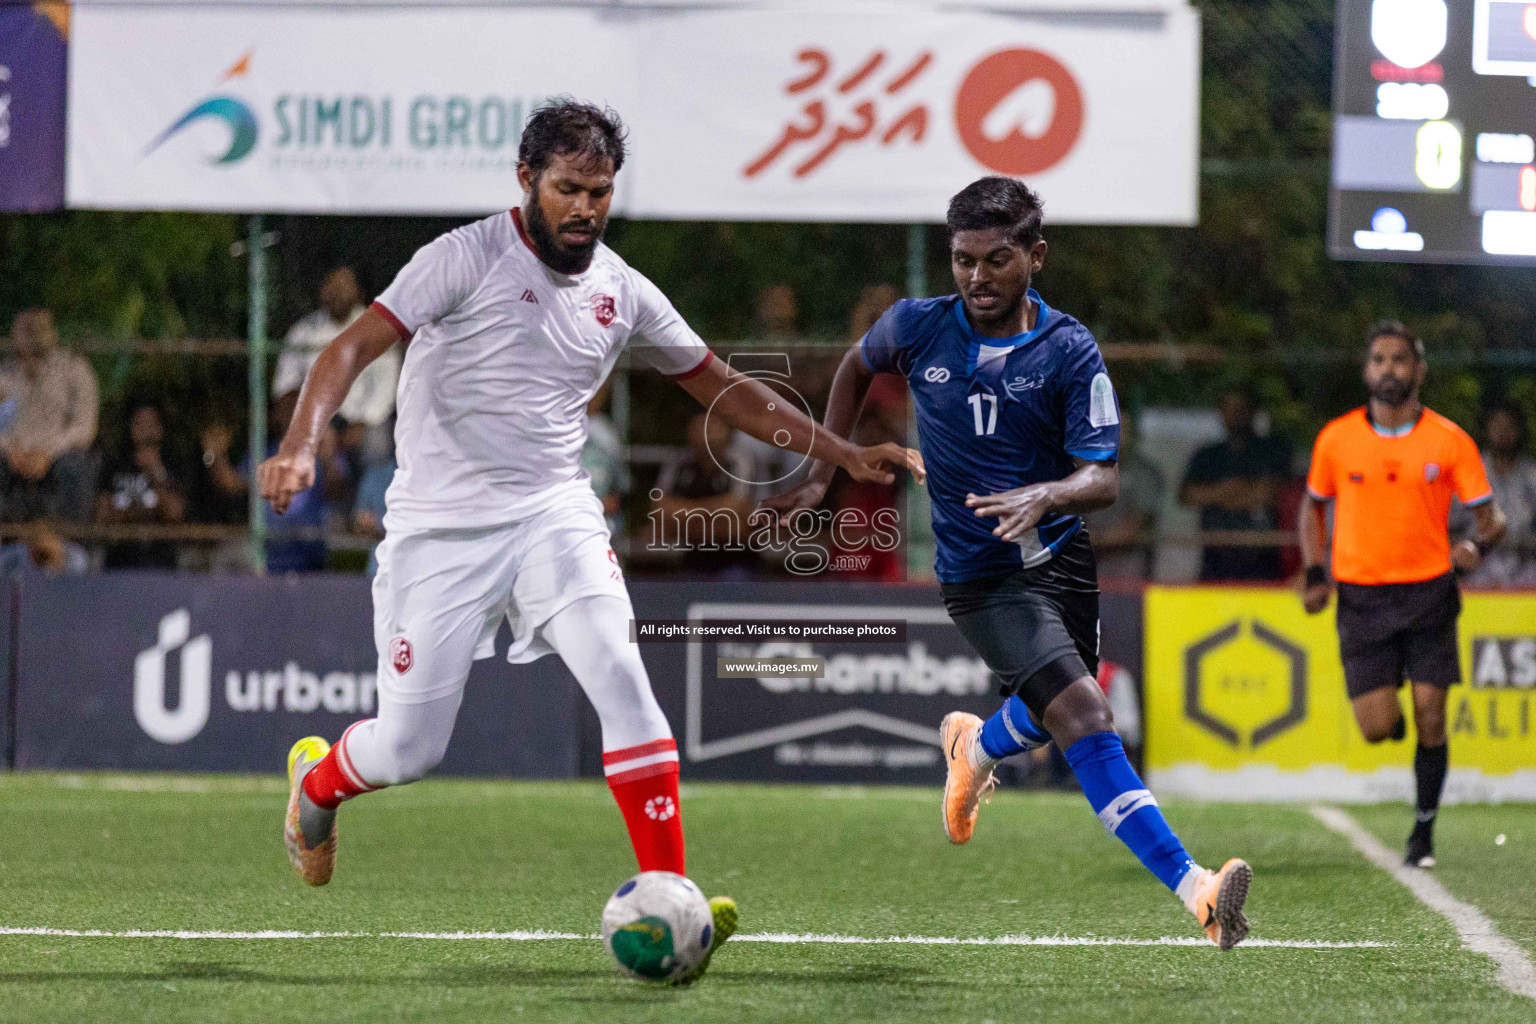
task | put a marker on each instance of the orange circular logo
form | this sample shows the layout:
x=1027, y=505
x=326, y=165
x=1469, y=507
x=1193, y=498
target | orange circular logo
x=1019, y=111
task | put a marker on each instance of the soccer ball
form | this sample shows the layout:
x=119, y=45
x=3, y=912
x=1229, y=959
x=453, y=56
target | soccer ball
x=657, y=926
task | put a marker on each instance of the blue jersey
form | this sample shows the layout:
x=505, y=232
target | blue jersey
x=994, y=414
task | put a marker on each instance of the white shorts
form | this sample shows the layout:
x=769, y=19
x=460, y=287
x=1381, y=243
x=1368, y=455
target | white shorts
x=440, y=595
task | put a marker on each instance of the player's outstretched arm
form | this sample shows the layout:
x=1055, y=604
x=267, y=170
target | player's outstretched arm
x=292, y=469
x=844, y=402
x=752, y=407
x=1091, y=486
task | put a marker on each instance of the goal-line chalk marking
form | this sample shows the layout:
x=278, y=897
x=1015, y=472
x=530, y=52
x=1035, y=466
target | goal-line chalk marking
x=1477, y=932
x=784, y=938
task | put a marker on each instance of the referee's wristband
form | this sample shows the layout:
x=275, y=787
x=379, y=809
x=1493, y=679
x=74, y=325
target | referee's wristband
x=1483, y=547
x=1317, y=576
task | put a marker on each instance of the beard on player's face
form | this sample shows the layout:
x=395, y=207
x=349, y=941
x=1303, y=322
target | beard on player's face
x=1393, y=371
x=562, y=254
x=1390, y=389
x=566, y=257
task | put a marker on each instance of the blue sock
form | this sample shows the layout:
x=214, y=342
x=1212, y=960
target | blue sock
x=1011, y=731
x=1126, y=807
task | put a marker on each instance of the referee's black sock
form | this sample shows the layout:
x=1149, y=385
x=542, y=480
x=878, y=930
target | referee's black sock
x=1429, y=768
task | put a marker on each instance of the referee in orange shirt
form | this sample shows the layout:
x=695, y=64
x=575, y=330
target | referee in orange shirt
x=1390, y=469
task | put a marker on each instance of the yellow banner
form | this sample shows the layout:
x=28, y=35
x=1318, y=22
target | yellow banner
x=1245, y=700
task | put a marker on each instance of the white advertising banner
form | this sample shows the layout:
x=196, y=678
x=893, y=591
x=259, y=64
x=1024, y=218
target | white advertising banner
x=734, y=114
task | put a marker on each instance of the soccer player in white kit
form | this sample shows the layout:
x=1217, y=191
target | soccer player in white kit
x=512, y=324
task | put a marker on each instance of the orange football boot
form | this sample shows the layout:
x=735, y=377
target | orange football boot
x=966, y=784
x=1218, y=903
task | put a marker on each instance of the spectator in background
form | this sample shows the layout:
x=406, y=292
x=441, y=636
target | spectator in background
x=1513, y=477
x=1121, y=534
x=708, y=506
x=1234, y=483
x=40, y=549
x=602, y=457
x=48, y=412
x=777, y=313
x=874, y=300
x=369, y=511
x=308, y=510
x=368, y=406
x=142, y=488
x=208, y=501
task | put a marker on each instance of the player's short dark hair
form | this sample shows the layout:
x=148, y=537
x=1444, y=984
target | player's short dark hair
x=1394, y=329
x=998, y=202
x=568, y=127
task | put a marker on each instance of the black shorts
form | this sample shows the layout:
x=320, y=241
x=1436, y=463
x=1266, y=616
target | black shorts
x=1037, y=629
x=1392, y=632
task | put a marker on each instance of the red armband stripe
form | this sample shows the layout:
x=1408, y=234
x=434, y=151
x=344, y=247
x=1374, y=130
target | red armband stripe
x=708, y=356
x=394, y=321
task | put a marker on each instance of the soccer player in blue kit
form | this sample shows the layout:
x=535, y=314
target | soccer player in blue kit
x=1020, y=430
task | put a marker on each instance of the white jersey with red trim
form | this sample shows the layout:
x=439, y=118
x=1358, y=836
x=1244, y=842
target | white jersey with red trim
x=504, y=355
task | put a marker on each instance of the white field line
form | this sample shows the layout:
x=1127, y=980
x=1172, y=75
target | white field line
x=783, y=938
x=1478, y=933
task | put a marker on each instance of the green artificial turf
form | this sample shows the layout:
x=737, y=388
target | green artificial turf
x=160, y=852
x=1498, y=878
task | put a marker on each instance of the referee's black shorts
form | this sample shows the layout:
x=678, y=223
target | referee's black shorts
x=1036, y=629
x=1392, y=632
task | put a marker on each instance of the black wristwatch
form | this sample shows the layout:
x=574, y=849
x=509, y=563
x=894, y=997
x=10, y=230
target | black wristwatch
x=1317, y=576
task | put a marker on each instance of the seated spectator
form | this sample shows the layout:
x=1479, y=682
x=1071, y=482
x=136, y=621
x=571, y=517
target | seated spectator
x=42, y=550
x=368, y=513
x=1234, y=483
x=874, y=300
x=883, y=418
x=307, y=513
x=602, y=457
x=141, y=488
x=1513, y=477
x=707, y=507
x=366, y=410
x=207, y=500
x=777, y=313
x=1121, y=534
x=48, y=411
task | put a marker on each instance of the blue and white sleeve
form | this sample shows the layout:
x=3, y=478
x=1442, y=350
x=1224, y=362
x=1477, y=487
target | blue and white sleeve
x=1092, y=428
x=883, y=347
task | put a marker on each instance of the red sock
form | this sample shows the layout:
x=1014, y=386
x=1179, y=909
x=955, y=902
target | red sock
x=644, y=782
x=334, y=779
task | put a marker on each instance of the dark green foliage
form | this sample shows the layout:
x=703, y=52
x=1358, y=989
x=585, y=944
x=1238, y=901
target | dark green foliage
x=1253, y=279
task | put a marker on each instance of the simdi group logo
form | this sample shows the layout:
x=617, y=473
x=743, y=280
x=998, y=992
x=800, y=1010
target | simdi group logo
x=243, y=126
x=290, y=689
x=315, y=124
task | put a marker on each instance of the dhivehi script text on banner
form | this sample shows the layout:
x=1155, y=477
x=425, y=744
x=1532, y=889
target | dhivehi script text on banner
x=736, y=114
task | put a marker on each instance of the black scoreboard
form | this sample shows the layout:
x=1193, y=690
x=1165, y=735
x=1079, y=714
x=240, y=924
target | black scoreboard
x=1434, y=131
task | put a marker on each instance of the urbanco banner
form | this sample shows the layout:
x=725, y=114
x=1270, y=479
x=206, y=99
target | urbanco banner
x=138, y=670
x=746, y=114
x=1245, y=700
